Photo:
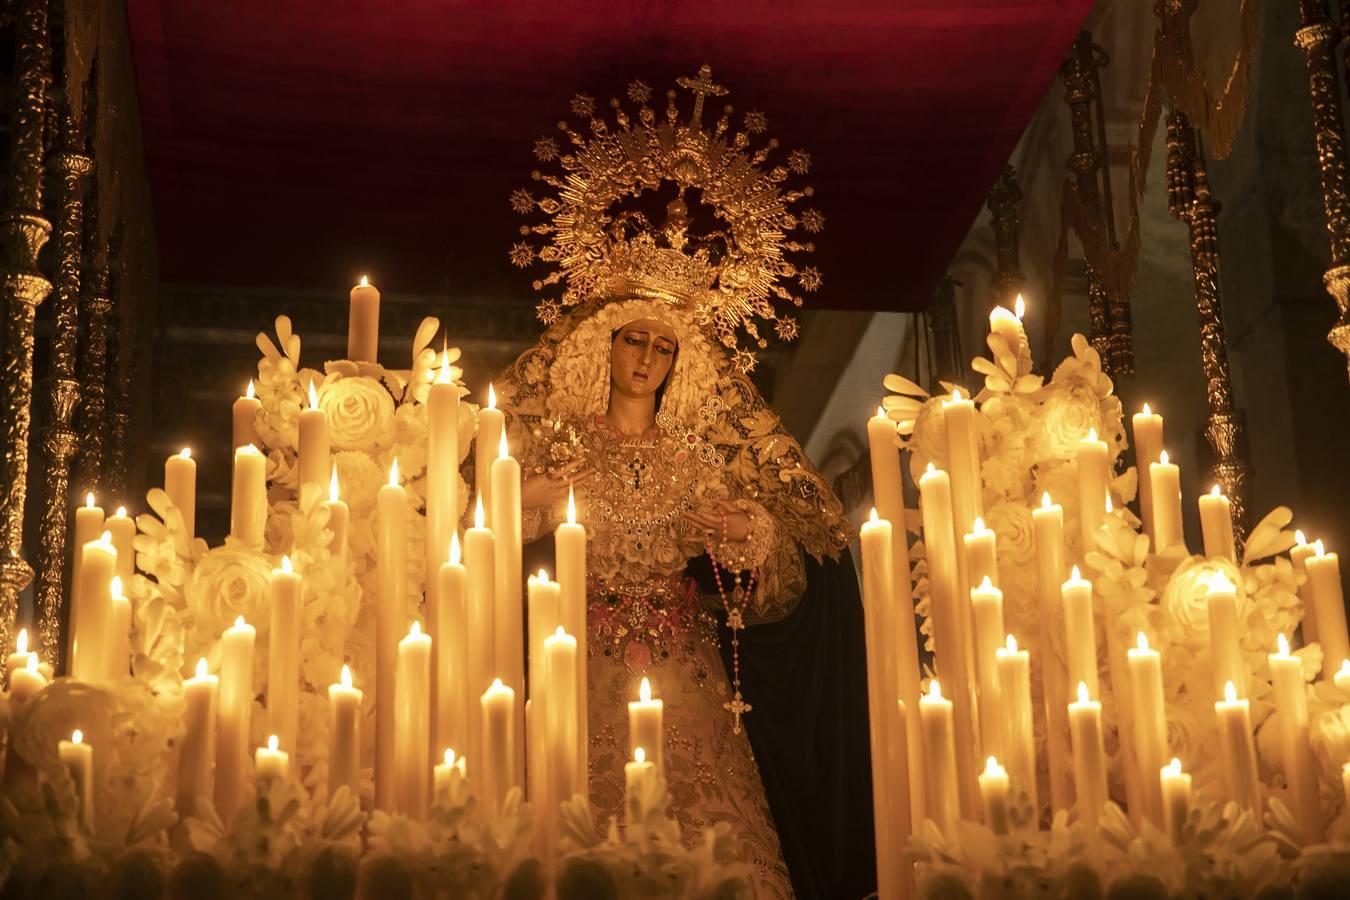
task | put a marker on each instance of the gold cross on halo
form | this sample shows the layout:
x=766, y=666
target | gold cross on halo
x=701, y=87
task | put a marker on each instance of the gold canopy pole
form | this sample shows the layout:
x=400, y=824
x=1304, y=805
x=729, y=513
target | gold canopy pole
x=1004, y=200
x=23, y=231
x=97, y=303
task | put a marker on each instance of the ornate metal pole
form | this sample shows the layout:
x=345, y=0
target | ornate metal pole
x=1004, y=201
x=97, y=303
x=23, y=231
x=1318, y=38
x=70, y=165
x=121, y=361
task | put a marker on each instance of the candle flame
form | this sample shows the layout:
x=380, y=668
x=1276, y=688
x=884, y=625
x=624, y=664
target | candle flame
x=1142, y=642
x=1109, y=507
x=503, y=451
x=1345, y=667
x=1215, y=492
x=986, y=584
x=32, y=664
x=1172, y=768
x=121, y=511
x=935, y=690
x=333, y=495
x=956, y=395
x=873, y=517
x=478, y=512
x=1229, y=692
x=1019, y=308
x=1045, y=500
x=1092, y=434
x=496, y=685
x=250, y=392
x=1162, y=458
x=645, y=691
x=249, y=449
x=979, y=526
x=393, y=473
x=1219, y=583
x=445, y=377
x=991, y=767
x=1300, y=537
x=415, y=630
x=571, y=506
x=77, y=736
x=239, y=622
x=89, y=500
x=1318, y=549
x=106, y=539
x=286, y=564
x=639, y=755
x=1147, y=411
x=1011, y=644
x=201, y=667
x=1083, y=695
x=1282, y=645
x=449, y=757
x=454, y=548
x=561, y=633
x=365, y=282
x=313, y=396
x=881, y=412
x=116, y=588
x=21, y=643
x=492, y=396
x=542, y=577
x=272, y=743
x=1075, y=575
x=931, y=469
x=346, y=676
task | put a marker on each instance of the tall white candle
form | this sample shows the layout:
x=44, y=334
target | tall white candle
x=1089, y=756
x=499, y=738
x=283, y=654
x=271, y=763
x=994, y=790
x=1148, y=443
x=479, y=565
x=248, y=500
x=391, y=570
x=569, y=548
x=646, y=726
x=941, y=793
x=123, y=530
x=363, y=322
x=89, y=641
x=1216, y=524
x=981, y=554
x=442, y=513
x=1080, y=632
x=448, y=779
x=449, y=652
x=1048, y=523
x=1239, y=750
x=244, y=419
x=344, y=745
x=316, y=458
x=636, y=774
x=491, y=423
x=78, y=759
x=1150, y=720
x=339, y=517
x=1019, y=735
x=1092, y=466
x=1342, y=676
x=1298, y=555
x=234, y=716
x=507, y=620
x=180, y=483
x=986, y=605
x=88, y=527
x=19, y=658
x=963, y=451
x=1300, y=767
x=1225, y=650
x=196, y=757
x=1324, y=588
x=412, y=732
x=1175, y=787
x=542, y=593
x=560, y=650
x=118, y=652
x=25, y=682
x=1165, y=483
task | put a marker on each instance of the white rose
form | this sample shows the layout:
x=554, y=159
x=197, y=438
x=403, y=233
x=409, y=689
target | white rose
x=360, y=413
x=229, y=581
x=1185, y=599
x=359, y=479
x=1069, y=412
x=1016, y=532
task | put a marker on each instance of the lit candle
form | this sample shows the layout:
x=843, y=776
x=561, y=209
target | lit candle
x=981, y=556
x=479, y=564
x=543, y=595
x=963, y=454
x=949, y=613
x=491, y=424
x=1239, y=750
x=1048, y=524
x=363, y=322
x=78, y=759
x=442, y=515
x=1165, y=483
x=235, y=714
x=1300, y=768
x=560, y=652
x=1148, y=443
x=344, y=746
x=1150, y=721
x=19, y=658
x=506, y=528
x=646, y=725
x=316, y=458
x=449, y=652
x=88, y=527
x=1089, y=756
x=196, y=757
x=412, y=732
x=1216, y=525
x=24, y=682
x=391, y=570
x=499, y=738
x=1342, y=676
x=994, y=794
x=986, y=606
x=283, y=654
x=123, y=530
x=93, y=616
x=118, y=652
x=1324, y=588
x=180, y=483
x=339, y=518
x=244, y=418
x=1009, y=324
x=1092, y=465
x=1080, y=633
x=248, y=499
x=1019, y=739
x=1298, y=555
x=271, y=763
x=1225, y=650
x=635, y=777
x=941, y=795
x=569, y=548
x=1176, y=799
x=448, y=780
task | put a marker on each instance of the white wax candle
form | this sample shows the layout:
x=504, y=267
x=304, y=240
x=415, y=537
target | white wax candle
x=1175, y=786
x=123, y=530
x=88, y=527
x=391, y=571
x=442, y=514
x=479, y=565
x=1019, y=736
x=363, y=322
x=543, y=595
x=963, y=454
x=448, y=779
x=271, y=763
x=19, y=658
x=244, y=419
x=941, y=794
x=196, y=757
x=449, y=652
x=1092, y=466
x=78, y=759
x=1216, y=524
x=1008, y=323
x=1225, y=650
x=1239, y=751
x=180, y=483
x=283, y=654
x=1089, y=756
x=316, y=458
x=986, y=606
x=507, y=620
x=235, y=714
x=499, y=738
x=89, y=642
x=1300, y=767
x=1342, y=676
x=1148, y=443
x=339, y=518
x=1048, y=523
x=981, y=554
x=490, y=422
x=560, y=650
x=1150, y=721
x=118, y=652
x=25, y=682
x=1165, y=483
x=994, y=789
x=636, y=774
x=344, y=745
x=1345, y=785
x=1324, y=588
x=412, y=731
x=1298, y=555
x=1080, y=632
x=569, y=548
x=646, y=726
x=248, y=500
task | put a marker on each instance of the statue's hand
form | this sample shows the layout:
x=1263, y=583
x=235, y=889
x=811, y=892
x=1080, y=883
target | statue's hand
x=708, y=519
x=546, y=491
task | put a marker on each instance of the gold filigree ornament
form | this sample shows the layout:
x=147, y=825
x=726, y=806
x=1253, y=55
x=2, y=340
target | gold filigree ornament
x=728, y=275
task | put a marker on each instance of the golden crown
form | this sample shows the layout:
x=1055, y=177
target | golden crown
x=729, y=275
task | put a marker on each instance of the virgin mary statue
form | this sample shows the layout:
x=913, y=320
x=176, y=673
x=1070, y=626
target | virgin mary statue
x=717, y=561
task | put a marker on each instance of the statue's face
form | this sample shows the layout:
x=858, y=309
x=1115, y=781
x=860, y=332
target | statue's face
x=641, y=357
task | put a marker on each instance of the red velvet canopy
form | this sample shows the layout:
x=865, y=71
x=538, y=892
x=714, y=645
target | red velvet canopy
x=301, y=142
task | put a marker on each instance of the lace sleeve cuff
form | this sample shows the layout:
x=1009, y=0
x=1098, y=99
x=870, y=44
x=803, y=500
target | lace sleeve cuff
x=738, y=556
